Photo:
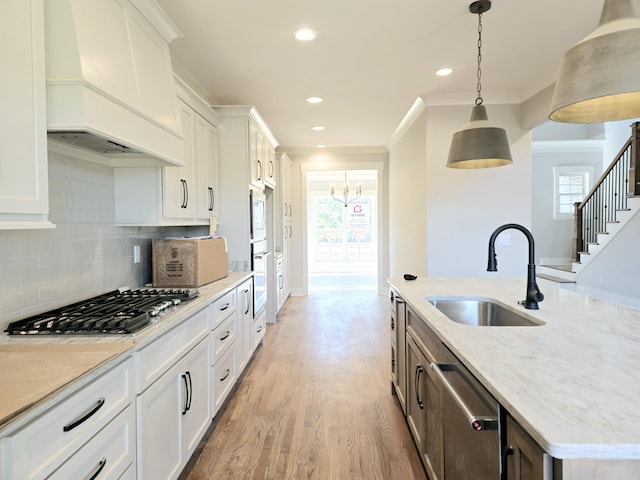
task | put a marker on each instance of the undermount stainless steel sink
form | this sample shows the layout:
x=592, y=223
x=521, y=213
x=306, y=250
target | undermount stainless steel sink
x=480, y=312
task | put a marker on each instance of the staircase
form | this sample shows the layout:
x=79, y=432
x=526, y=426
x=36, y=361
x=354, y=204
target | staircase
x=610, y=205
x=568, y=273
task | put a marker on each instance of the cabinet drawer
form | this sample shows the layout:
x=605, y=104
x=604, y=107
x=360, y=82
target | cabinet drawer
x=426, y=339
x=107, y=455
x=280, y=263
x=224, y=377
x=222, y=308
x=259, y=328
x=43, y=445
x=158, y=357
x=223, y=336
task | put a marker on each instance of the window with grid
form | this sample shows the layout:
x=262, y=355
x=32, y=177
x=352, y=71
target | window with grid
x=571, y=186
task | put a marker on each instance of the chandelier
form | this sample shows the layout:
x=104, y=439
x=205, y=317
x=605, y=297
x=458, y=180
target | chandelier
x=345, y=200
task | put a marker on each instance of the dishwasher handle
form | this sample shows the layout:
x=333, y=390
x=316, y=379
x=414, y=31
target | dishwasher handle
x=476, y=422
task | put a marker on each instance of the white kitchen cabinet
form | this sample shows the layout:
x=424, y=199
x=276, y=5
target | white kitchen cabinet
x=24, y=197
x=223, y=320
x=280, y=281
x=68, y=437
x=207, y=168
x=262, y=157
x=222, y=308
x=259, y=328
x=173, y=402
x=256, y=156
x=284, y=212
x=244, y=340
x=240, y=137
x=270, y=166
x=107, y=456
x=173, y=414
x=197, y=417
x=157, y=196
x=178, y=183
x=223, y=377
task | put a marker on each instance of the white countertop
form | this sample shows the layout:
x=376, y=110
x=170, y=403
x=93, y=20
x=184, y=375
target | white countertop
x=34, y=371
x=572, y=383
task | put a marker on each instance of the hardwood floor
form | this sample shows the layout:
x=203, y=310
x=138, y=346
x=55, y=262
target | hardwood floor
x=316, y=401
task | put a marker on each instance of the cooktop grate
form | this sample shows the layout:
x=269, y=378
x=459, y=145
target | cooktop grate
x=117, y=312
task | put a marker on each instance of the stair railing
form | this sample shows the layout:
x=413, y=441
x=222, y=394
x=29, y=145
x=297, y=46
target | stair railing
x=608, y=195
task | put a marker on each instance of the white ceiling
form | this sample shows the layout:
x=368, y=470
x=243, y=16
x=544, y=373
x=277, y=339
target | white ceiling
x=371, y=59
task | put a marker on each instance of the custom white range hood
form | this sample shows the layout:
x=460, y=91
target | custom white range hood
x=110, y=84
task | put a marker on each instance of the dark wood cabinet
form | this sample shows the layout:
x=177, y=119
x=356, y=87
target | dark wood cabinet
x=424, y=404
x=398, y=349
x=525, y=460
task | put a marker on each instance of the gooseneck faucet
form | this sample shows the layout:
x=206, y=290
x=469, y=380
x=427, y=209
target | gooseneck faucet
x=534, y=295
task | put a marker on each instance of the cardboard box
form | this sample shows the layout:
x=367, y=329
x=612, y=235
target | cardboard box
x=189, y=262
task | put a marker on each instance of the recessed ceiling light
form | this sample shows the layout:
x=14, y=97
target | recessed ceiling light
x=305, y=34
x=318, y=128
x=314, y=100
x=443, y=72
x=320, y=146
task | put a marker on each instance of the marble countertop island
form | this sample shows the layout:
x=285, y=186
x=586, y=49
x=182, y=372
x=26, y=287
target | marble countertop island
x=572, y=383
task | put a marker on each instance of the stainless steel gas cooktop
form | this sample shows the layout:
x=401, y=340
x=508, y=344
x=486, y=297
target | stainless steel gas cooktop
x=119, y=312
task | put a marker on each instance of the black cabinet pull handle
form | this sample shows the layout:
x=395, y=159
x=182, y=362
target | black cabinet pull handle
x=259, y=169
x=186, y=194
x=419, y=370
x=211, y=199
x=186, y=389
x=98, y=469
x=506, y=452
x=190, y=391
x=247, y=298
x=183, y=204
x=259, y=330
x=226, y=335
x=227, y=373
x=224, y=307
x=70, y=426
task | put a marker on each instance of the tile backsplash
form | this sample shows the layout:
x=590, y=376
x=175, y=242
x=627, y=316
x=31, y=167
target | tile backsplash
x=84, y=255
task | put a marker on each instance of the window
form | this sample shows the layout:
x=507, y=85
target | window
x=571, y=186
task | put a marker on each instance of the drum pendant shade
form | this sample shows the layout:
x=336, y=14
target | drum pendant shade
x=479, y=144
x=599, y=77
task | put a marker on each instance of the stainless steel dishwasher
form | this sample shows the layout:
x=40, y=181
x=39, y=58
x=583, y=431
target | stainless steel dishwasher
x=472, y=424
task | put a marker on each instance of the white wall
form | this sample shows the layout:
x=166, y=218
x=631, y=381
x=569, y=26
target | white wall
x=613, y=272
x=408, y=200
x=463, y=207
x=554, y=236
x=617, y=134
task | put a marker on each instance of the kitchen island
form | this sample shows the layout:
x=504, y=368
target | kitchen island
x=571, y=383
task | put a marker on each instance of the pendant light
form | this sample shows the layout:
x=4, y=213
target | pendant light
x=479, y=144
x=598, y=77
